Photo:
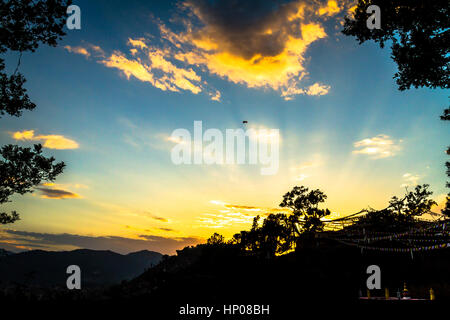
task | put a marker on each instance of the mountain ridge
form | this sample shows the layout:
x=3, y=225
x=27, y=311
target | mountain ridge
x=98, y=267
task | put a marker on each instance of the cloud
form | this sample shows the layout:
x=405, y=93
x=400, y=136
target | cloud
x=156, y=217
x=317, y=162
x=245, y=207
x=137, y=43
x=380, y=146
x=330, y=9
x=49, y=141
x=217, y=202
x=87, y=50
x=151, y=228
x=167, y=229
x=317, y=90
x=303, y=171
x=171, y=78
x=65, y=241
x=216, y=96
x=232, y=214
x=154, y=68
x=65, y=185
x=313, y=90
x=48, y=193
x=301, y=177
x=258, y=44
x=78, y=50
x=410, y=179
x=213, y=220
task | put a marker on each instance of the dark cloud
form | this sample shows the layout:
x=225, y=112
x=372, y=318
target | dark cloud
x=117, y=244
x=151, y=215
x=56, y=193
x=242, y=26
x=167, y=229
x=159, y=218
x=153, y=229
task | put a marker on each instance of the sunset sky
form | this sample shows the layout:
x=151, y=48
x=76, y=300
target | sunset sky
x=109, y=96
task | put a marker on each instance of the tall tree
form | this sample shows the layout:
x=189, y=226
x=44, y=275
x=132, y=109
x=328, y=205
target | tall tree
x=419, y=31
x=401, y=213
x=272, y=236
x=24, y=25
x=446, y=209
x=216, y=240
x=304, y=204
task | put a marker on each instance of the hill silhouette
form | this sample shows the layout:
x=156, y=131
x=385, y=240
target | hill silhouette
x=216, y=274
x=47, y=269
x=4, y=253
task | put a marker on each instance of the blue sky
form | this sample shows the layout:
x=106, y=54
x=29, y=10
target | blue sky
x=121, y=174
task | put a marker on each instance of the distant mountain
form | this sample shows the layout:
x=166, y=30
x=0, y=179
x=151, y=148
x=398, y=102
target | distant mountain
x=47, y=269
x=4, y=253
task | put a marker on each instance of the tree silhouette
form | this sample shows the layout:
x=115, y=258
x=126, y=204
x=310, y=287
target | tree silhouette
x=270, y=237
x=24, y=25
x=305, y=220
x=417, y=202
x=216, y=239
x=401, y=213
x=280, y=233
x=420, y=34
x=446, y=210
x=20, y=170
x=305, y=212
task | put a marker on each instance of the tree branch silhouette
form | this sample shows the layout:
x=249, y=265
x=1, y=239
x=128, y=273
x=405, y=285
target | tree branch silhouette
x=24, y=25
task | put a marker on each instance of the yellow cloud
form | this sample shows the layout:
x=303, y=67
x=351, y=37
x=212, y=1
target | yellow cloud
x=24, y=135
x=130, y=68
x=314, y=90
x=138, y=43
x=48, y=184
x=330, y=9
x=87, y=50
x=172, y=78
x=58, y=142
x=234, y=214
x=268, y=52
x=49, y=141
x=78, y=50
x=244, y=57
x=279, y=72
x=216, y=96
